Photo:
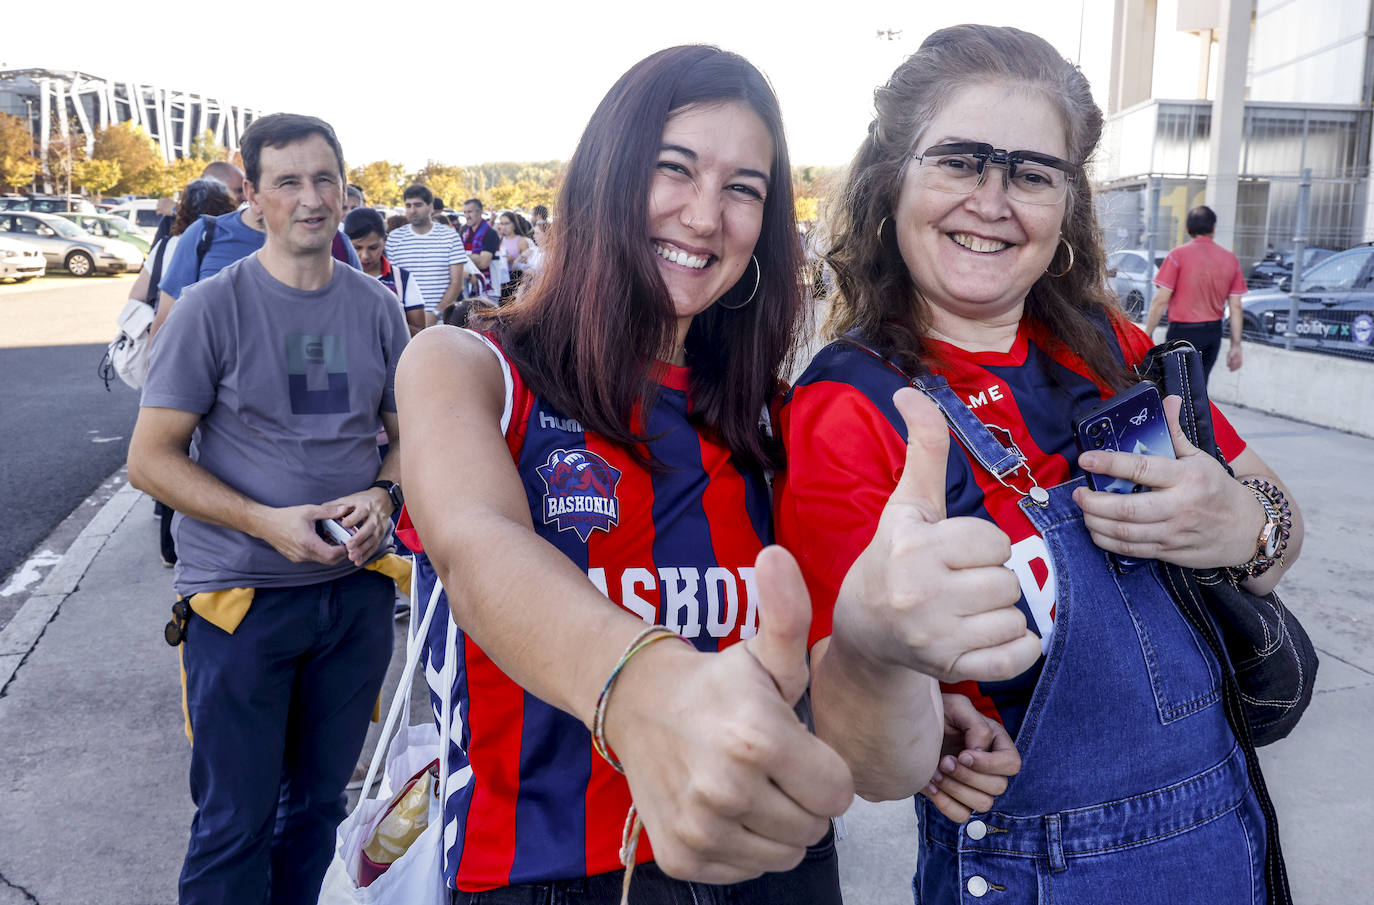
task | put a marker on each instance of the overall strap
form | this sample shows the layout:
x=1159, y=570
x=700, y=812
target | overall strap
x=972, y=433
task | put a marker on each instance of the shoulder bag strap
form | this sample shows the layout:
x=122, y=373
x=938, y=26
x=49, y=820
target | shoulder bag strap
x=155, y=275
x=206, y=238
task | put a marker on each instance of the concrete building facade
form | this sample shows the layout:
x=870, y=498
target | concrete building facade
x=1284, y=85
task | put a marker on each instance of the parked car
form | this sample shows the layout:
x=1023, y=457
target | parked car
x=1335, y=306
x=68, y=246
x=111, y=227
x=55, y=204
x=1277, y=265
x=1129, y=275
x=141, y=213
x=20, y=261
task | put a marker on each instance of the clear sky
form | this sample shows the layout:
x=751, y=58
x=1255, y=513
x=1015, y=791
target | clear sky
x=410, y=81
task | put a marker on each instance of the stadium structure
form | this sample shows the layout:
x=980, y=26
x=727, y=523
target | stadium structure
x=76, y=101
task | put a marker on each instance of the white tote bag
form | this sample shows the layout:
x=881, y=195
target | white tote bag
x=416, y=878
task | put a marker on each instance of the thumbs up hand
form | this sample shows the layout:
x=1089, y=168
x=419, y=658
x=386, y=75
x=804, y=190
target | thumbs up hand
x=929, y=593
x=729, y=783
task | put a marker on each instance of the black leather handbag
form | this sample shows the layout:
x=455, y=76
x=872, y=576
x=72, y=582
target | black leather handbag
x=1270, y=654
x=1268, y=662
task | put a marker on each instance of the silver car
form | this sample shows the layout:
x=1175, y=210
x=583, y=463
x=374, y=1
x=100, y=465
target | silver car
x=1129, y=276
x=66, y=245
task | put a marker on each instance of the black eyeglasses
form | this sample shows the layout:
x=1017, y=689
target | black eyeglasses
x=1028, y=176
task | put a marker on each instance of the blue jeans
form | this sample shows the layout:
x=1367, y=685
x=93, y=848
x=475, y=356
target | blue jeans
x=279, y=711
x=816, y=881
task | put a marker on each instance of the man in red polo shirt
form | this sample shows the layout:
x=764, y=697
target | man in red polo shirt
x=1197, y=283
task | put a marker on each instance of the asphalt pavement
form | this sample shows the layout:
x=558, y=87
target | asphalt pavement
x=63, y=434
x=95, y=799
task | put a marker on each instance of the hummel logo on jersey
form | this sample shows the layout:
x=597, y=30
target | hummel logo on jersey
x=571, y=425
x=579, y=492
x=991, y=394
x=1140, y=419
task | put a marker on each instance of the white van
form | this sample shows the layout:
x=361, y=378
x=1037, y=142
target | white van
x=142, y=214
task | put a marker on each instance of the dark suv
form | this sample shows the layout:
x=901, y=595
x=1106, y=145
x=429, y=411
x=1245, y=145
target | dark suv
x=1335, y=306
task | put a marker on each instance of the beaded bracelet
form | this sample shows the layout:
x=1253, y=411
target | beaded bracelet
x=650, y=635
x=1276, y=509
x=629, y=837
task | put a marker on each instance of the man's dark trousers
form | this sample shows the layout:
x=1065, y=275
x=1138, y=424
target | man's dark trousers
x=1205, y=337
x=279, y=712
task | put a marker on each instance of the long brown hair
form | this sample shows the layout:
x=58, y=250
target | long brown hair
x=875, y=291
x=588, y=332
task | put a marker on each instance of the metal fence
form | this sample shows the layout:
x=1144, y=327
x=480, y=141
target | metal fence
x=1311, y=289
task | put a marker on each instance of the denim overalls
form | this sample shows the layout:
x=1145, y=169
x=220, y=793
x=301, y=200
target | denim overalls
x=1133, y=788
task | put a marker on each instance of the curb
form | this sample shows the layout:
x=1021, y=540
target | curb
x=22, y=633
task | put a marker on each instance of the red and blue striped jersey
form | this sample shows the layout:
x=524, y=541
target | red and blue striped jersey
x=846, y=447
x=674, y=545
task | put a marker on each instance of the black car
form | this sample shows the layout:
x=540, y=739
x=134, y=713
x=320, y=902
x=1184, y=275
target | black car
x=1277, y=265
x=1335, y=307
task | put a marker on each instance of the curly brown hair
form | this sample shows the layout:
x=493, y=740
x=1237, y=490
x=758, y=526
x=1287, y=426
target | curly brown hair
x=875, y=292
x=201, y=196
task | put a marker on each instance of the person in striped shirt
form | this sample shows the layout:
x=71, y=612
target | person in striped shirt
x=432, y=252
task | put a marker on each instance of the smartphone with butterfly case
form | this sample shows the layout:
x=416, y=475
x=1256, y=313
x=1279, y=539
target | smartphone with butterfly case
x=1130, y=422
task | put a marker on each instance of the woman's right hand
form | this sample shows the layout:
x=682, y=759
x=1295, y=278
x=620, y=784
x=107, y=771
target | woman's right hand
x=728, y=781
x=932, y=593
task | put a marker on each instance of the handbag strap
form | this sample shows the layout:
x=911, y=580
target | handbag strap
x=400, y=702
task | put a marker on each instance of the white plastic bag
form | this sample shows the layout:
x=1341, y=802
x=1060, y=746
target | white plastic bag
x=416, y=878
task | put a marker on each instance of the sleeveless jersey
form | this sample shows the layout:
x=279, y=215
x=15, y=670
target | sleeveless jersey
x=675, y=546
x=846, y=447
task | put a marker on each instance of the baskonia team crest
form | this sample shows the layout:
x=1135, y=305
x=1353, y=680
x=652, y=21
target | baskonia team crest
x=579, y=492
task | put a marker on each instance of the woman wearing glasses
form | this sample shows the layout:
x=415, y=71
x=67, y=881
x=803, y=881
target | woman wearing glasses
x=986, y=279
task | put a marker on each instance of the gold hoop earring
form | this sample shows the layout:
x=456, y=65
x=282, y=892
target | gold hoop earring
x=758, y=275
x=881, y=225
x=1066, y=269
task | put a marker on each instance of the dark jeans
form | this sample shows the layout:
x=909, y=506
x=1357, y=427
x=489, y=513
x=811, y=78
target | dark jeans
x=816, y=881
x=1205, y=335
x=279, y=710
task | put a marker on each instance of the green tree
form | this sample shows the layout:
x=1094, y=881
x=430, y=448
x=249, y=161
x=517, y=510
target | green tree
x=448, y=182
x=142, y=170
x=382, y=181
x=18, y=157
x=204, y=148
x=521, y=195
x=63, y=156
x=96, y=176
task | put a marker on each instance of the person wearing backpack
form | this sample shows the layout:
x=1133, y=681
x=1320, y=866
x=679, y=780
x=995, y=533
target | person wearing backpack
x=127, y=356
